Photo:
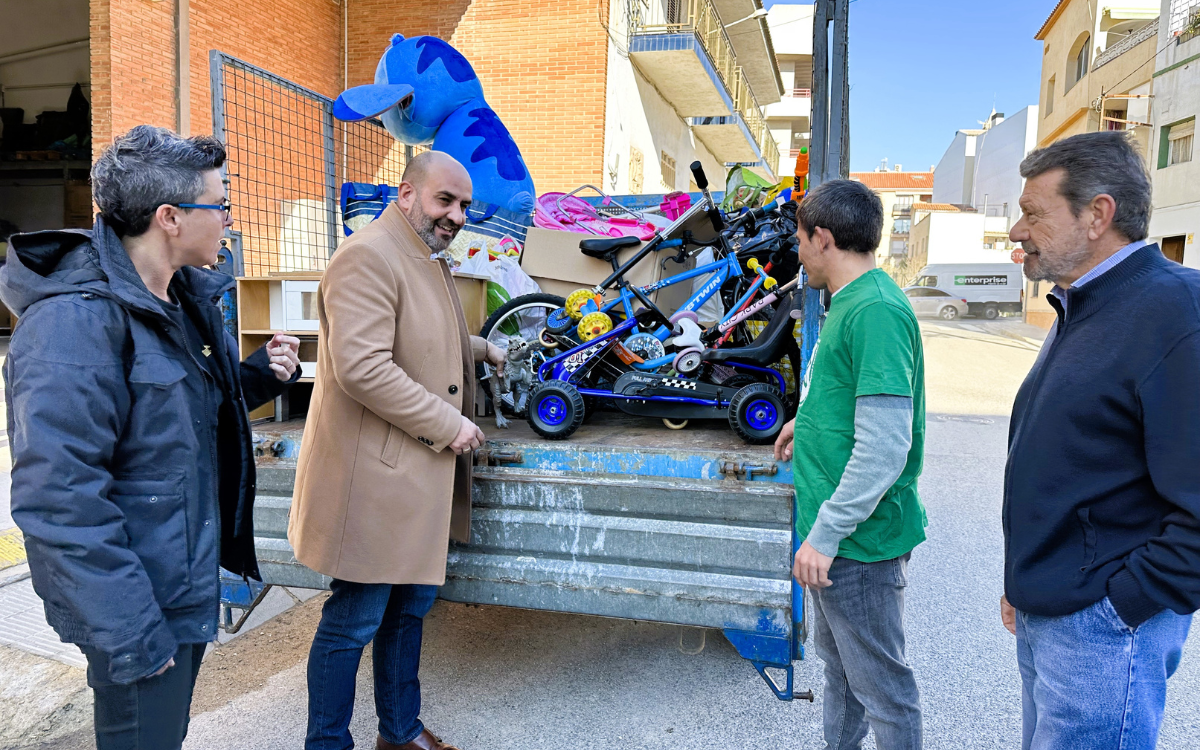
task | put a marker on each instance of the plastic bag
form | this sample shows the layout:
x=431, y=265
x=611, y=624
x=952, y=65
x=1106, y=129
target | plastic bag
x=503, y=270
x=745, y=189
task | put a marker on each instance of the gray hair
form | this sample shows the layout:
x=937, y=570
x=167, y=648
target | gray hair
x=1103, y=163
x=850, y=210
x=146, y=168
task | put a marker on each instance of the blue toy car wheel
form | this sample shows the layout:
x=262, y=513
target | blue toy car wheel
x=756, y=413
x=761, y=414
x=556, y=409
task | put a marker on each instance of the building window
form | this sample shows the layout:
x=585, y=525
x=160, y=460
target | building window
x=667, y=165
x=1082, y=58
x=1183, y=15
x=1049, y=97
x=898, y=247
x=901, y=226
x=1110, y=117
x=1078, y=61
x=1181, y=138
x=904, y=201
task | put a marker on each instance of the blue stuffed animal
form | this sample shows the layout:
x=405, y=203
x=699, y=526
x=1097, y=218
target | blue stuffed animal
x=425, y=91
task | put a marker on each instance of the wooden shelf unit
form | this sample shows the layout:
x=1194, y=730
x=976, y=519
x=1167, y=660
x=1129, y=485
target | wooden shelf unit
x=255, y=297
x=254, y=307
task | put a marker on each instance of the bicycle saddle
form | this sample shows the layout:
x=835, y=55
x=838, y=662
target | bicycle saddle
x=771, y=344
x=606, y=247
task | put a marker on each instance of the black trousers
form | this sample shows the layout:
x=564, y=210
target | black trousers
x=150, y=714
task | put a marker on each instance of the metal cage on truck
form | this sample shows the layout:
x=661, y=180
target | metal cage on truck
x=628, y=521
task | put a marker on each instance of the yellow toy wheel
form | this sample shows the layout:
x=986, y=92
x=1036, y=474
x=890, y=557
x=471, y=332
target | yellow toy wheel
x=576, y=300
x=594, y=325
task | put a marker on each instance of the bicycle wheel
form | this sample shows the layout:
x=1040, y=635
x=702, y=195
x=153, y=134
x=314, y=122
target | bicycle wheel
x=524, y=316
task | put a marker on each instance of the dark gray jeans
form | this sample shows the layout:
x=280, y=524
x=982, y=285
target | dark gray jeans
x=858, y=630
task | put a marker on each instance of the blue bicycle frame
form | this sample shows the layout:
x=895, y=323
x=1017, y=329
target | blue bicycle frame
x=721, y=271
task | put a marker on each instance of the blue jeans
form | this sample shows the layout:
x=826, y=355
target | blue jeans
x=1090, y=681
x=354, y=615
x=858, y=631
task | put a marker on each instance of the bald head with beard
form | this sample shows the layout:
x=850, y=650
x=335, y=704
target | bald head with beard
x=434, y=194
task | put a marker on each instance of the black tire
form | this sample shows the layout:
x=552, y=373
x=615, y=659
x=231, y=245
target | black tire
x=556, y=409
x=757, y=413
x=482, y=372
x=514, y=303
x=949, y=312
x=991, y=312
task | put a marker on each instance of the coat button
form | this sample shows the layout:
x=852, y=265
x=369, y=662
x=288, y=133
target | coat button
x=453, y=389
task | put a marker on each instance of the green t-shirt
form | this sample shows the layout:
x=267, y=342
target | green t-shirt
x=870, y=345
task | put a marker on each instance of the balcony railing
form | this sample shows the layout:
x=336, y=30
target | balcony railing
x=1126, y=44
x=700, y=17
x=799, y=94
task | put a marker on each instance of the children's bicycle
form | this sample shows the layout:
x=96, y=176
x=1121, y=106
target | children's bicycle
x=588, y=359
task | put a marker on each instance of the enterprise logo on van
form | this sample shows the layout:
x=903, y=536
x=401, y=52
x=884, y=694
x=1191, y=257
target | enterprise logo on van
x=997, y=280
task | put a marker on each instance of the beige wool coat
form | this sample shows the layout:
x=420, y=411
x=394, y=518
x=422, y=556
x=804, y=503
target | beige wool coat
x=378, y=492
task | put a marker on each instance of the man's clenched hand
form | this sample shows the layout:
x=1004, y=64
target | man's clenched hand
x=783, y=443
x=496, y=357
x=1008, y=615
x=284, y=352
x=469, y=437
x=811, y=568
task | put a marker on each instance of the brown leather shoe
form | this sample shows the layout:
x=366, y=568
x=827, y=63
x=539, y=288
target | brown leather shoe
x=424, y=741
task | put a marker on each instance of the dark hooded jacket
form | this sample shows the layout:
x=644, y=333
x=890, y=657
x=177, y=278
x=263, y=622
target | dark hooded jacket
x=122, y=546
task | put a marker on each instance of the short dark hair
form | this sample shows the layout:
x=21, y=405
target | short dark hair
x=1103, y=163
x=147, y=167
x=850, y=210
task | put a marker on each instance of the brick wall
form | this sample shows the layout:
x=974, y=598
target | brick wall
x=134, y=63
x=133, y=69
x=543, y=67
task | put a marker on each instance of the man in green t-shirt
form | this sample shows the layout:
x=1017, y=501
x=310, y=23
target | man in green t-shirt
x=859, y=441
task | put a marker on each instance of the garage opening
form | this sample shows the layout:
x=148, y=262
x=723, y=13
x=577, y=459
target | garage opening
x=45, y=120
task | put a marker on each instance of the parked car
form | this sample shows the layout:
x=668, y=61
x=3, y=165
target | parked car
x=927, y=300
x=990, y=289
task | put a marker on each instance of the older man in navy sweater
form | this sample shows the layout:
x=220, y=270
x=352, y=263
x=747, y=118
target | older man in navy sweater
x=1102, y=486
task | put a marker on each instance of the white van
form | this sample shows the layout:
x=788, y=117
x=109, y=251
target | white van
x=988, y=288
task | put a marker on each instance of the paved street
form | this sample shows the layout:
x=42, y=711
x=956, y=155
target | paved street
x=496, y=678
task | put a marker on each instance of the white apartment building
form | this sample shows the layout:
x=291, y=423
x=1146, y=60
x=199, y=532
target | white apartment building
x=981, y=168
x=790, y=119
x=1174, y=168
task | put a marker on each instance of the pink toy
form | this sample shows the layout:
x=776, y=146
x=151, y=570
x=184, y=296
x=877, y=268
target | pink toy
x=568, y=213
x=674, y=204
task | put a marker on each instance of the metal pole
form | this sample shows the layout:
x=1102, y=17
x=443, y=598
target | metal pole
x=216, y=77
x=331, y=188
x=837, y=164
x=819, y=142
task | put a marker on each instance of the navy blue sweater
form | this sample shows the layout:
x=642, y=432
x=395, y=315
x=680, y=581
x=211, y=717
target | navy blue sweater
x=1102, y=484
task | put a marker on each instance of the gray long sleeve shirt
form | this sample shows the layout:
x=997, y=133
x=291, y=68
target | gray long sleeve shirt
x=882, y=438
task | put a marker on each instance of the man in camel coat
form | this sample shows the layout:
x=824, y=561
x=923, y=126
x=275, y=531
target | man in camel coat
x=384, y=478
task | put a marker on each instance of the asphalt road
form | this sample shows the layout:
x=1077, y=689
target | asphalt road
x=496, y=679
x=499, y=679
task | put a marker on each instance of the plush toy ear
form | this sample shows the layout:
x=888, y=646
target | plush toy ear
x=372, y=100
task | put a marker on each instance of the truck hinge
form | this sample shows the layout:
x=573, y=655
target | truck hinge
x=490, y=457
x=735, y=470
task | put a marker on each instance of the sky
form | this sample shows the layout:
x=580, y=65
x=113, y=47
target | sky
x=920, y=70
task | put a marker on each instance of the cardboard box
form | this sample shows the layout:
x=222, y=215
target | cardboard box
x=553, y=259
x=472, y=295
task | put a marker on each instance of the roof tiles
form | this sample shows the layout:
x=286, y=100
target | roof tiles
x=895, y=180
